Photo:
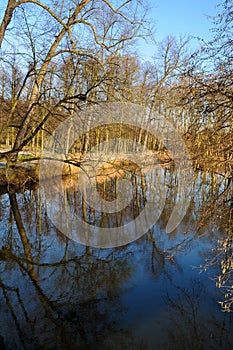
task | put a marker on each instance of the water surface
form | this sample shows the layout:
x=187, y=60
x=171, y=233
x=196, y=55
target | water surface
x=56, y=293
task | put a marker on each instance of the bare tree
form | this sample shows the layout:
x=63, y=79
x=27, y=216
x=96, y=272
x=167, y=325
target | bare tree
x=85, y=29
x=210, y=73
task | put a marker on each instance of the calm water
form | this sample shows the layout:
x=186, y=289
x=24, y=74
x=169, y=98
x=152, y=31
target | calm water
x=149, y=294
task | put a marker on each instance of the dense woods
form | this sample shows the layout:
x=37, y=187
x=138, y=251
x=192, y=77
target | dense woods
x=78, y=58
x=55, y=57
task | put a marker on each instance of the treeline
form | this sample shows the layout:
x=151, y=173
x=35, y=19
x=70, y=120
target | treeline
x=60, y=58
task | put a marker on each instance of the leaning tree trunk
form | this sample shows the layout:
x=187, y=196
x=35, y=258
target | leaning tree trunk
x=23, y=134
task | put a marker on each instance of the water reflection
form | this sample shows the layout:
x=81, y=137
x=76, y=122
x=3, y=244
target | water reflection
x=58, y=294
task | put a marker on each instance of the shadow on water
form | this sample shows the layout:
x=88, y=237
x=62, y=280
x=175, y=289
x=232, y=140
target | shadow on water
x=58, y=294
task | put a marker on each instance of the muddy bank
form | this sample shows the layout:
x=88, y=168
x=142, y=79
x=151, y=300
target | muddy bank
x=27, y=173
x=18, y=176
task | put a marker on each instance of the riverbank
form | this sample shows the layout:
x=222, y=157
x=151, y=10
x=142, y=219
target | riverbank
x=26, y=172
x=18, y=176
x=105, y=166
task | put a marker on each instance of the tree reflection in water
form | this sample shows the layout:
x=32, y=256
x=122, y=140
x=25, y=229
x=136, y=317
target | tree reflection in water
x=58, y=294
x=191, y=324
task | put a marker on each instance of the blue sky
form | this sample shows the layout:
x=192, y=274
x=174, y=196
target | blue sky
x=174, y=17
x=180, y=17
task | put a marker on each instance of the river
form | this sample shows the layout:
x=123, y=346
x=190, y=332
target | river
x=159, y=291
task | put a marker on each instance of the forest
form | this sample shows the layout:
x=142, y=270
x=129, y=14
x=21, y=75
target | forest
x=58, y=56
